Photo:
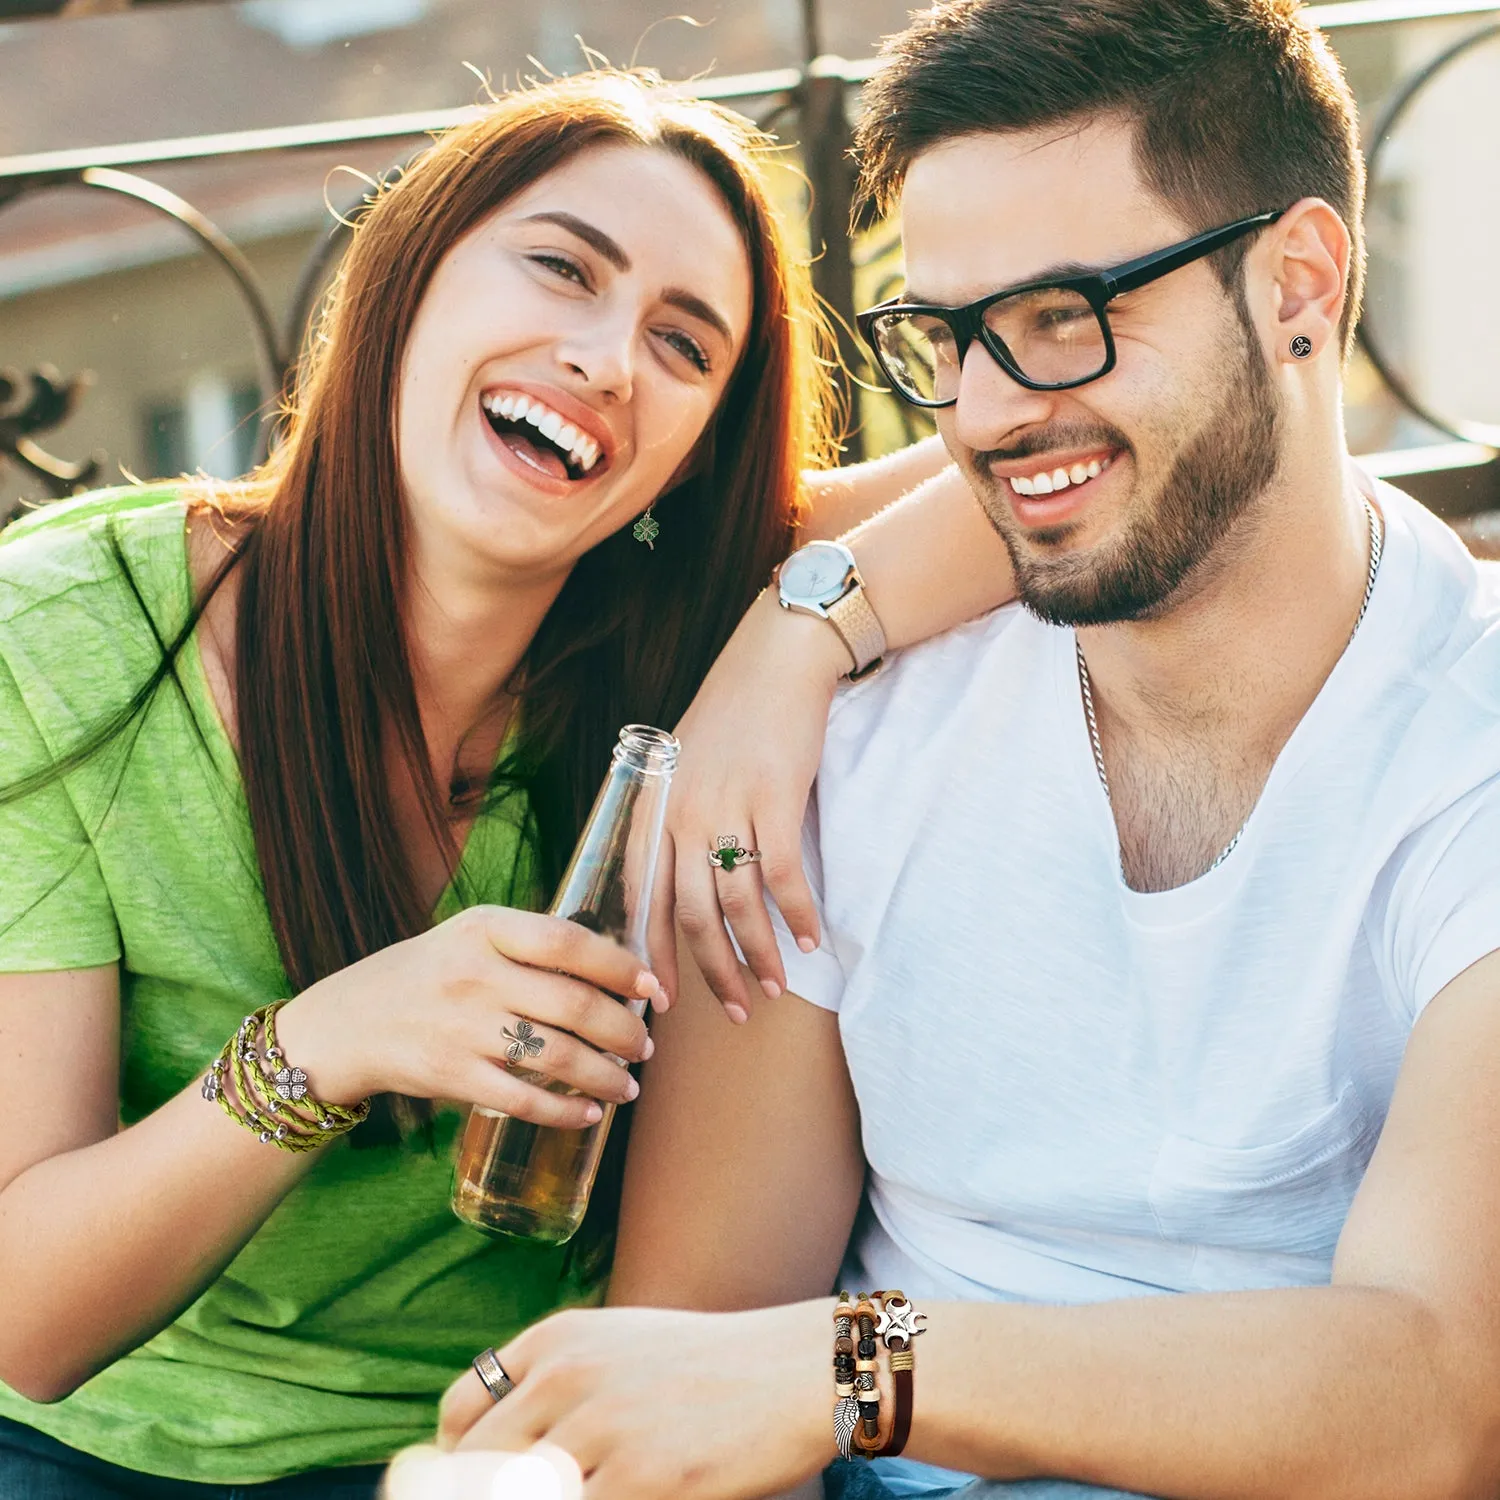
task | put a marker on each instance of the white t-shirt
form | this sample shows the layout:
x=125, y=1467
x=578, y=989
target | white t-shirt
x=1073, y=1091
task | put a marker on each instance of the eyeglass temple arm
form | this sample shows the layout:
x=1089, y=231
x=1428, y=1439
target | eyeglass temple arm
x=1135, y=273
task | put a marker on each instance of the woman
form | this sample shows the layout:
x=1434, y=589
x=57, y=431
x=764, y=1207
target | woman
x=328, y=735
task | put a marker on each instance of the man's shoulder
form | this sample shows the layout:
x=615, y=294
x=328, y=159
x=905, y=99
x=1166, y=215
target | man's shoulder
x=928, y=683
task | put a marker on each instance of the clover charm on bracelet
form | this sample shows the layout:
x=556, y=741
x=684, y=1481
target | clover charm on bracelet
x=291, y=1083
x=524, y=1042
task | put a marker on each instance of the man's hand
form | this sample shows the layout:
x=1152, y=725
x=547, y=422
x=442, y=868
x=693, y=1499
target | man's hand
x=712, y=1406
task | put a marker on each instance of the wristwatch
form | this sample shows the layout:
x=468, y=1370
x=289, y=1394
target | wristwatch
x=822, y=579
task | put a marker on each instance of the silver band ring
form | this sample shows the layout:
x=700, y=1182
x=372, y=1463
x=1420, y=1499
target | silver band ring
x=728, y=852
x=488, y=1368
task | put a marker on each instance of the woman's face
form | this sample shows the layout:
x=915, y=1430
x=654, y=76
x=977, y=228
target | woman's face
x=568, y=354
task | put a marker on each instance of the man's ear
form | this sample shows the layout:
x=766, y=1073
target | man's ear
x=1310, y=280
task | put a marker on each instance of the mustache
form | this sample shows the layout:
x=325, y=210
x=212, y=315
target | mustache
x=1054, y=439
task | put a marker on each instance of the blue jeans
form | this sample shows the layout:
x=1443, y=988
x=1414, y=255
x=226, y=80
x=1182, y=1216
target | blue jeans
x=862, y=1481
x=36, y=1467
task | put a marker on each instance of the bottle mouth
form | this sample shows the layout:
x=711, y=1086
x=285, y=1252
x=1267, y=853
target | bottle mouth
x=647, y=749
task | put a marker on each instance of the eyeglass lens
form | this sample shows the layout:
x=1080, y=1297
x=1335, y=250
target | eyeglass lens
x=1053, y=336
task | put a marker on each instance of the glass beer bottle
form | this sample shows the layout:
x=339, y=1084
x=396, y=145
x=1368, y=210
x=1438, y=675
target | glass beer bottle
x=534, y=1181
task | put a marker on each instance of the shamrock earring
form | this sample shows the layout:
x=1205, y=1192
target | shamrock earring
x=646, y=530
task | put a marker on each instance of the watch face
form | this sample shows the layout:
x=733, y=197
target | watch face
x=815, y=574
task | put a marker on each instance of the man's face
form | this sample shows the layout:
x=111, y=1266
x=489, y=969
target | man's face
x=1113, y=499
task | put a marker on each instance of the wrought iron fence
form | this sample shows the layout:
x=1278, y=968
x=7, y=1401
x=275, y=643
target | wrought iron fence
x=810, y=105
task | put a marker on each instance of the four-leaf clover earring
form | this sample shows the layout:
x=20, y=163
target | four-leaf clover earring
x=646, y=529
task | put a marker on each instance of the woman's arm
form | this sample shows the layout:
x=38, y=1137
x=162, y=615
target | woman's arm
x=107, y=1234
x=753, y=736
x=838, y=500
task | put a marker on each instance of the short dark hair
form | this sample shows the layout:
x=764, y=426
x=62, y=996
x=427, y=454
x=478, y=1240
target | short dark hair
x=1239, y=105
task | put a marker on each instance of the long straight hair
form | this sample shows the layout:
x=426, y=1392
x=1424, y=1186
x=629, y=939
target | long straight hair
x=324, y=683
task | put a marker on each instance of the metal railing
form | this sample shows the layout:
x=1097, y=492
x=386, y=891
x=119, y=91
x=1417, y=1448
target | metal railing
x=1459, y=478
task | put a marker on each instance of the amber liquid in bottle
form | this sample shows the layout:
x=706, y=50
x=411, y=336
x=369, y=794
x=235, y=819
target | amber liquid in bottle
x=534, y=1181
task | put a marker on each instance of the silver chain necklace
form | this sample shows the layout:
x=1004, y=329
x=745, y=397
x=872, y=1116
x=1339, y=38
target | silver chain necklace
x=1377, y=542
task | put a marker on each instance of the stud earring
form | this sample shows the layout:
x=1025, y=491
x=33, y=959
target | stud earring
x=1301, y=346
x=646, y=529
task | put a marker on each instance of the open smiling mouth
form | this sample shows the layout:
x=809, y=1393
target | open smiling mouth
x=538, y=436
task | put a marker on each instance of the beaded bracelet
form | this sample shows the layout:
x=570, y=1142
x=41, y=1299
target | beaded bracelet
x=265, y=1101
x=845, y=1408
x=866, y=1368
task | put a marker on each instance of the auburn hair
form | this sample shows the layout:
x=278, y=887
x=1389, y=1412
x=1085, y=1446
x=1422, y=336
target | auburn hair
x=323, y=676
x=1239, y=106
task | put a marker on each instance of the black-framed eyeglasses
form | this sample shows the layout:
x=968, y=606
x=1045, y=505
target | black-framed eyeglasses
x=1046, y=335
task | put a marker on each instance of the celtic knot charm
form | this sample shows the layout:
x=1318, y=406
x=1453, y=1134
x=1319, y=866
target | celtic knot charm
x=524, y=1042
x=646, y=530
x=900, y=1319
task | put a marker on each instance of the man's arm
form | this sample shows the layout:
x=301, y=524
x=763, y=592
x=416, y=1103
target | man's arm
x=1385, y=1384
x=745, y=1167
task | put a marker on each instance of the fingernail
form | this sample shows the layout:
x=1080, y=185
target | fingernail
x=661, y=1001
x=632, y=1088
x=806, y=944
x=593, y=1114
x=772, y=989
x=647, y=984
x=737, y=1013
x=648, y=1050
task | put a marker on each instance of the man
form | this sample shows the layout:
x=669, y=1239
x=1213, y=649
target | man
x=1160, y=915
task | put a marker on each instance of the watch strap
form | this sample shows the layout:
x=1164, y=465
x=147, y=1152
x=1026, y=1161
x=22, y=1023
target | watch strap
x=859, y=628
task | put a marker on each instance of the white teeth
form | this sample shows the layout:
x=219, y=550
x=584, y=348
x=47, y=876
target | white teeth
x=583, y=450
x=1095, y=468
x=1078, y=473
x=1060, y=480
x=1022, y=486
x=1041, y=484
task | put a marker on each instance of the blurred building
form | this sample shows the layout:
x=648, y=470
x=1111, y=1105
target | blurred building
x=90, y=282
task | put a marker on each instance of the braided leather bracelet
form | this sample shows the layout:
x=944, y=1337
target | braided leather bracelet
x=899, y=1325
x=265, y=1101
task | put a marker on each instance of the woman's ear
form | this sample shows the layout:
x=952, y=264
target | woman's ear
x=699, y=460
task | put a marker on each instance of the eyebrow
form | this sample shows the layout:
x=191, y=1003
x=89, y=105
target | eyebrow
x=1062, y=271
x=696, y=307
x=590, y=234
x=688, y=302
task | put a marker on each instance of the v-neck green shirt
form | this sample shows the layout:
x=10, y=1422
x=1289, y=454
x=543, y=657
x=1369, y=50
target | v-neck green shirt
x=331, y=1335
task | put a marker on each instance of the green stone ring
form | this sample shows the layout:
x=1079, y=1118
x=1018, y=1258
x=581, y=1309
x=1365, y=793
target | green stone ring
x=727, y=852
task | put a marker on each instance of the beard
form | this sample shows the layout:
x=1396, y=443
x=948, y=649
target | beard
x=1216, y=476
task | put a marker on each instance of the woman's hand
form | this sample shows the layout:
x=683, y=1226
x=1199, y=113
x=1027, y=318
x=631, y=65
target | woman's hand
x=475, y=1009
x=751, y=743
x=702, y=1406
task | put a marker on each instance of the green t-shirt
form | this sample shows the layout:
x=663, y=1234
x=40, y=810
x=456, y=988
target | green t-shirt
x=331, y=1335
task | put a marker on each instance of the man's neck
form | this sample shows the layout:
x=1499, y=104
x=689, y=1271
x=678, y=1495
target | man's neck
x=1193, y=707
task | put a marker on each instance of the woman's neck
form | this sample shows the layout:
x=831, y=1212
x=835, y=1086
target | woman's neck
x=465, y=640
